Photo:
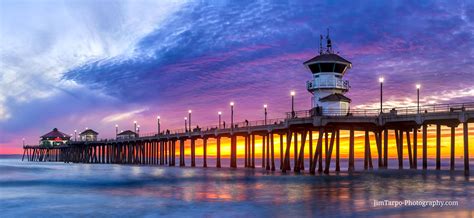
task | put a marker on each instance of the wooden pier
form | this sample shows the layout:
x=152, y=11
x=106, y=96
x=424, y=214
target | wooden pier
x=405, y=123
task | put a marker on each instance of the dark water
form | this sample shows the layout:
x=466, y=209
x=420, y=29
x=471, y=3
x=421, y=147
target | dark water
x=30, y=189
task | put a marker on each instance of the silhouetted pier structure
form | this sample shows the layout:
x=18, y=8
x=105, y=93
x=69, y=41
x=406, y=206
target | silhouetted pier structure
x=160, y=148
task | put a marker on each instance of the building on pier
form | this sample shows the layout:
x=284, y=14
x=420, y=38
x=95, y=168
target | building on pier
x=88, y=135
x=327, y=86
x=127, y=134
x=54, y=138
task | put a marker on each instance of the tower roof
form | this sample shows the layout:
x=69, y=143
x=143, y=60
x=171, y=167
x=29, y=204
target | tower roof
x=325, y=57
x=335, y=97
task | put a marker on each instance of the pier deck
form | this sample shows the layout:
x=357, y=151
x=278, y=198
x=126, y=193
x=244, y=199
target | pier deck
x=160, y=148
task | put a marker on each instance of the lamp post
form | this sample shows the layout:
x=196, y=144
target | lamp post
x=418, y=86
x=75, y=134
x=135, y=126
x=189, y=115
x=292, y=93
x=232, y=115
x=138, y=129
x=185, y=124
x=116, y=129
x=220, y=114
x=158, y=122
x=381, y=92
x=265, y=109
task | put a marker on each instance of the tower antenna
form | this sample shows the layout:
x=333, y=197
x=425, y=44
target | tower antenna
x=320, y=44
x=329, y=45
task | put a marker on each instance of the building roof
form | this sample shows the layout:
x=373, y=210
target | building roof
x=335, y=97
x=128, y=132
x=89, y=132
x=328, y=58
x=55, y=134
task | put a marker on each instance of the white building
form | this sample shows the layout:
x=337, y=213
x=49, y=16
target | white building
x=327, y=85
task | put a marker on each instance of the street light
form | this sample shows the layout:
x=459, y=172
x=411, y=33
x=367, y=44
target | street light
x=219, y=113
x=116, y=129
x=265, y=108
x=292, y=93
x=158, y=122
x=232, y=115
x=189, y=115
x=381, y=79
x=418, y=86
x=138, y=129
x=185, y=124
x=75, y=133
x=135, y=125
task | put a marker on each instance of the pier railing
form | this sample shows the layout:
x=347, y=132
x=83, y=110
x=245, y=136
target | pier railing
x=386, y=113
x=410, y=110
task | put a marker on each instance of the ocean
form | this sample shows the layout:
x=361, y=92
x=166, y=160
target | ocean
x=33, y=189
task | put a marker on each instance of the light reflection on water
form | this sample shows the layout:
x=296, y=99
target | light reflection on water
x=34, y=189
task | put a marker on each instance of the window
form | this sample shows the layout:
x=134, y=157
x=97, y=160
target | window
x=327, y=67
x=314, y=68
x=339, y=68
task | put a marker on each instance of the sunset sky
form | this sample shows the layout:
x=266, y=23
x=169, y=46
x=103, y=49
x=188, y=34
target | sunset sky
x=95, y=64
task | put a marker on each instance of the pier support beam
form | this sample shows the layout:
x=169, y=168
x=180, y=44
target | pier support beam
x=338, y=167
x=438, y=146
x=253, y=151
x=453, y=138
x=272, y=148
x=182, y=162
x=281, y=151
x=351, y=150
x=301, y=153
x=415, y=147
x=193, y=152
x=295, y=150
x=317, y=153
x=204, y=152
x=310, y=140
x=425, y=147
x=263, y=151
x=466, y=148
x=218, y=161
x=410, y=156
x=287, y=152
x=268, y=152
x=329, y=153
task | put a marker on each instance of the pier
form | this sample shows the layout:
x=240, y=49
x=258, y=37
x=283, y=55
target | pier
x=330, y=113
x=160, y=148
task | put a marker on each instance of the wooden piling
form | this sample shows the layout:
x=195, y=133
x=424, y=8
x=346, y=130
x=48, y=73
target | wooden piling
x=218, y=162
x=351, y=150
x=253, y=151
x=268, y=152
x=338, y=167
x=300, y=161
x=415, y=148
x=204, y=152
x=410, y=156
x=425, y=146
x=466, y=148
x=438, y=146
x=453, y=138
x=329, y=153
x=272, y=148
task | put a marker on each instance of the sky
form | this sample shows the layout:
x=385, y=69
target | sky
x=94, y=64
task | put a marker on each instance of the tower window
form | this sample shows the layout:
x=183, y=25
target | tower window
x=314, y=68
x=339, y=68
x=327, y=67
